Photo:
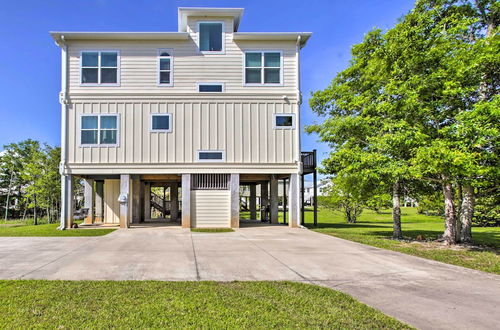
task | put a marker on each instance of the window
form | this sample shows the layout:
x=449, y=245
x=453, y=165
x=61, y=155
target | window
x=263, y=68
x=284, y=121
x=210, y=37
x=210, y=87
x=210, y=156
x=165, y=67
x=99, y=67
x=99, y=130
x=161, y=122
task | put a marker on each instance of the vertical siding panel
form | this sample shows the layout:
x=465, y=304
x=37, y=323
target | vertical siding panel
x=272, y=133
x=146, y=140
x=229, y=136
x=154, y=138
x=212, y=127
x=178, y=119
x=196, y=113
x=187, y=129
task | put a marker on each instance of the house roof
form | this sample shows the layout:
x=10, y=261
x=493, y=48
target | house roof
x=304, y=36
x=71, y=35
x=184, y=12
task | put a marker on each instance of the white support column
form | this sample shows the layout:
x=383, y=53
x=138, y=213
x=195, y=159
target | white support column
x=274, y=199
x=88, y=200
x=66, y=202
x=234, y=186
x=294, y=201
x=253, y=202
x=186, y=201
x=174, y=201
x=99, y=205
x=126, y=201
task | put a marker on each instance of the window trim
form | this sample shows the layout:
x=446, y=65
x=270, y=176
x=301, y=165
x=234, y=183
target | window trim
x=262, y=84
x=118, y=68
x=223, y=159
x=171, y=57
x=208, y=52
x=275, y=115
x=170, y=123
x=198, y=84
x=98, y=115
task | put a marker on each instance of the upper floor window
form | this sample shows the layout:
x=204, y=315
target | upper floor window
x=263, y=68
x=99, y=130
x=211, y=37
x=165, y=67
x=99, y=67
x=210, y=87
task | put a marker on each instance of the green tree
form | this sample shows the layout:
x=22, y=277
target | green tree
x=400, y=110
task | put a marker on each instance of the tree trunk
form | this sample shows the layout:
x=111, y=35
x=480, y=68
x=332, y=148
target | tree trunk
x=8, y=197
x=35, y=219
x=396, y=211
x=467, y=214
x=449, y=212
x=458, y=225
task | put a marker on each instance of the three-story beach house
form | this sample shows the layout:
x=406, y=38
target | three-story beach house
x=198, y=112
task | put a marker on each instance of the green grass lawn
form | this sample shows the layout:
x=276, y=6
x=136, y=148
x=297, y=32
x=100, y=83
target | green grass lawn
x=151, y=304
x=376, y=230
x=18, y=228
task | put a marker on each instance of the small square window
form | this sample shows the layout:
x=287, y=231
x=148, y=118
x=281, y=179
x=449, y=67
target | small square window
x=285, y=121
x=160, y=123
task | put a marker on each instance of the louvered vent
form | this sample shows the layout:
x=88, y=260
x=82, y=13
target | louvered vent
x=210, y=181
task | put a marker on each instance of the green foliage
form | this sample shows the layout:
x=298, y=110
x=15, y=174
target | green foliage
x=35, y=177
x=183, y=305
x=419, y=101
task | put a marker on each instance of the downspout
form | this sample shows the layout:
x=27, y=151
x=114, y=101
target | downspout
x=63, y=99
x=299, y=101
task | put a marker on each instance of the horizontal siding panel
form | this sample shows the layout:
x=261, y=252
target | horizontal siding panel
x=138, y=64
x=211, y=208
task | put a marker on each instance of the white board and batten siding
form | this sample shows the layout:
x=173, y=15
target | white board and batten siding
x=242, y=128
x=211, y=208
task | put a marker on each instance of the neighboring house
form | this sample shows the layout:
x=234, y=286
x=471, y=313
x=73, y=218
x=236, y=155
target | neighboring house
x=197, y=112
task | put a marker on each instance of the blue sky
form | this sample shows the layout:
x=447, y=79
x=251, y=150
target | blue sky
x=30, y=61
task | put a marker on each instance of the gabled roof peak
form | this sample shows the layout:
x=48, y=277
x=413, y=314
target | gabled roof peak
x=185, y=12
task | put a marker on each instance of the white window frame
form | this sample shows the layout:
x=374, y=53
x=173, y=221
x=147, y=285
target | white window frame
x=262, y=67
x=98, y=115
x=208, y=52
x=211, y=160
x=99, y=51
x=171, y=57
x=170, y=123
x=223, y=85
x=281, y=115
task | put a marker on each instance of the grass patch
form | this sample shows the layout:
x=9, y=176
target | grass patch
x=153, y=304
x=376, y=230
x=16, y=228
x=212, y=230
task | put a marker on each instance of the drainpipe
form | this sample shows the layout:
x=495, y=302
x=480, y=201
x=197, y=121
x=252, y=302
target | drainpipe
x=63, y=99
x=299, y=100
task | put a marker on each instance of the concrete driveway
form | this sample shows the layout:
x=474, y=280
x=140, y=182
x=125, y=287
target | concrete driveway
x=423, y=293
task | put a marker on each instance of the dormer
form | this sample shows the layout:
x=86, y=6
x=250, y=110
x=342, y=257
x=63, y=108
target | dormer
x=209, y=27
